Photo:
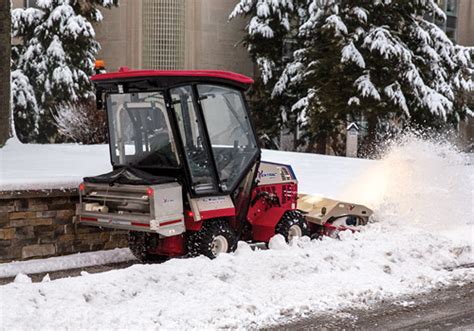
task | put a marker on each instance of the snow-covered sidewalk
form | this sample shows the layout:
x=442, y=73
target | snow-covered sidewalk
x=56, y=166
x=72, y=261
x=60, y=166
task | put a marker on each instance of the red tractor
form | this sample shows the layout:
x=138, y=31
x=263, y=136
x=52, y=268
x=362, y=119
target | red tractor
x=187, y=176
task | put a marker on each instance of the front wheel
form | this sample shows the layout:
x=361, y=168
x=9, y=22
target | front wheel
x=292, y=224
x=214, y=238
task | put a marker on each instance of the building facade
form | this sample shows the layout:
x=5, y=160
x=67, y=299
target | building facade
x=173, y=34
x=465, y=37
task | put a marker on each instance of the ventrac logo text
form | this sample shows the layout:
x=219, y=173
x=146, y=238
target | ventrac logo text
x=214, y=200
x=269, y=175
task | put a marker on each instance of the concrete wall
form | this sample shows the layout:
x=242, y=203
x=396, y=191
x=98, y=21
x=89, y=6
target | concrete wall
x=39, y=224
x=119, y=35
x=210, y=40
x=466, y=38
x=466, y=22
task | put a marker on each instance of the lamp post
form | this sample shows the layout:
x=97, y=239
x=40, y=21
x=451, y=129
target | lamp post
x=352, y=135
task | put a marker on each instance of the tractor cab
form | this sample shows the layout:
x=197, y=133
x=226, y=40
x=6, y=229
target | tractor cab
x=193, y=126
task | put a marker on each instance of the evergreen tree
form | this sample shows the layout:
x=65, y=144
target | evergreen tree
x=272, y=36
x=5, y=41
x=53, y=62
x=380, y=58
x=377, y=58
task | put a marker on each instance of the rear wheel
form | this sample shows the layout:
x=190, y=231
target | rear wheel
x=140, y=243
x=292, y=224
x=214, y=238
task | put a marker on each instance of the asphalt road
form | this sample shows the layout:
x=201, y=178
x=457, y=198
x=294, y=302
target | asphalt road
x=449, y=308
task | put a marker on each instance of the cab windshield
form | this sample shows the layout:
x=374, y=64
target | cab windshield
x=139, y=130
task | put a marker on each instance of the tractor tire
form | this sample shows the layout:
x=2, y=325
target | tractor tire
x=215, y=237
x=139, y=243
x=292, y=224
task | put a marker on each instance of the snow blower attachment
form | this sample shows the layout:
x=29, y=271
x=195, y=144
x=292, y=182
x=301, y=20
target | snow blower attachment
x=187, y=177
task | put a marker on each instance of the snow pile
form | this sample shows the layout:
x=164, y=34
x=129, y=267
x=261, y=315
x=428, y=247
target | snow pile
x=59, y=166
x=414, y=190
x=245, y=289
x=55, y=166
x=80, y=260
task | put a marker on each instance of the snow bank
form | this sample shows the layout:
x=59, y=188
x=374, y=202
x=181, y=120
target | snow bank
x=55, y=166
x=421, y=193
x=59, y=166
x=72, y=261
x=245, y=289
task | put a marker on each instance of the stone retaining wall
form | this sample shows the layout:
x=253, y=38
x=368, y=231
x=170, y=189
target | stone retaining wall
x=40, y=224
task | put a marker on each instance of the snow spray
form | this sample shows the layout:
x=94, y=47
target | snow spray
x=420, y=182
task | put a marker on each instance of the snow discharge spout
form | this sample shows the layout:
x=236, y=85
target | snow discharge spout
x=422, y=183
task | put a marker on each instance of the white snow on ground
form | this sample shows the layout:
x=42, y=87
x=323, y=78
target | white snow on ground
x=422, y=195
x=31, y=166
x=72, y=261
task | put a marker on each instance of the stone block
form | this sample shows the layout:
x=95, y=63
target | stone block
x=7, y=234
x=82, y=248
x=69, y=228
x=7, y=202
x=58, y=201
x=97, y=246
x=64, y=248
x=46, y=213
x=62, y=221
x=66, y=214
x=5, y=243
x=92, y=236
x=38, y=250
x=40, y=229
x=63, y=206
x=8, y=254
x=21, y=205
x=22, y=214
x=32, y=222
x=50, y=238
x=38, y=207
x=3, y=218
x=7, y=209
x=86, y=229
x=25, y=232
x=66, y=238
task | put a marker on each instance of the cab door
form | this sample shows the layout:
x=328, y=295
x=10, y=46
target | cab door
x=191, y=131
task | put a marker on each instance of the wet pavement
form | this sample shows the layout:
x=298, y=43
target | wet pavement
x=449, y=308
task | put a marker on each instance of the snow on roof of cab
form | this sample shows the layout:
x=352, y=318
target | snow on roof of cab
x=125, y=73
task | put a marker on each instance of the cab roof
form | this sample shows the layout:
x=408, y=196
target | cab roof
x=172, y=77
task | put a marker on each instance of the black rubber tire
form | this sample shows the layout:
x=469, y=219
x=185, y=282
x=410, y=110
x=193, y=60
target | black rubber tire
x=140, y=243
x=200, y=242
x=289, y=219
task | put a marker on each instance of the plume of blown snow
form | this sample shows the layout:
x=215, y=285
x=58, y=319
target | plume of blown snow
x=422, y=183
